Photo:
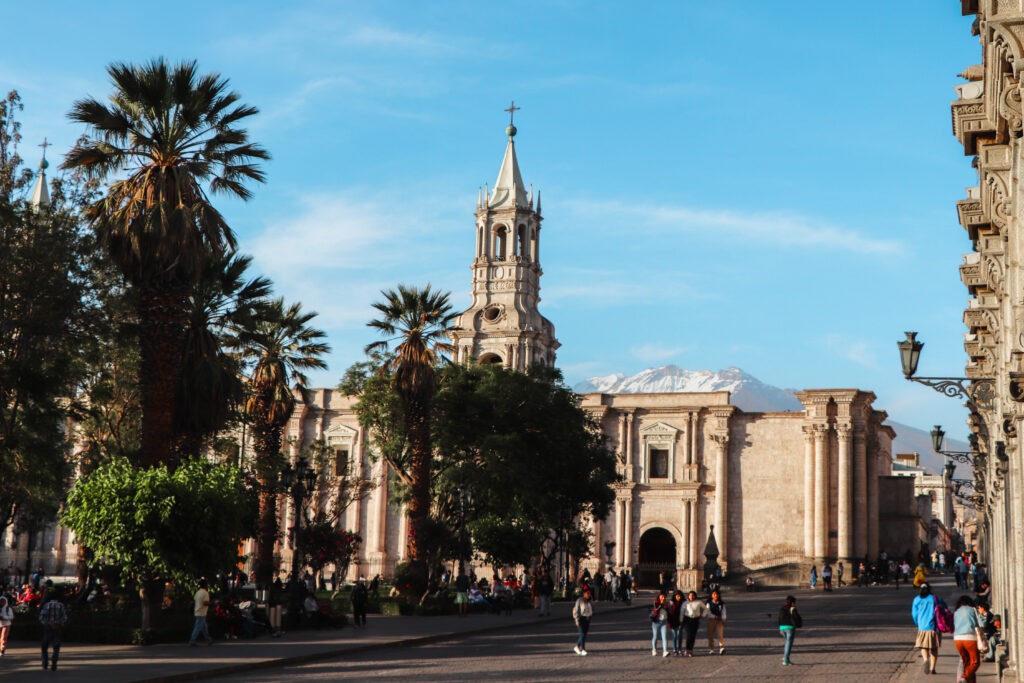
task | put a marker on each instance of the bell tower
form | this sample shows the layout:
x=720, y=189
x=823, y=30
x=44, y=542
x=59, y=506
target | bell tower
x=503, y=324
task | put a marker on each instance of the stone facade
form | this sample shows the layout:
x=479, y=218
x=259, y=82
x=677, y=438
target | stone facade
x=987, y=120
x=778, y=488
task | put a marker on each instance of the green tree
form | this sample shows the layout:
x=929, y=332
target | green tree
x=44, y=290
x=175, y=134
x=278, y=347
x=418, y=320
x=221, y=300
x=523, y=455
x=161, y=524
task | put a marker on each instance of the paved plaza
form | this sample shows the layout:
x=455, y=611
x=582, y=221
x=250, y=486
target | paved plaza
x=852, y=635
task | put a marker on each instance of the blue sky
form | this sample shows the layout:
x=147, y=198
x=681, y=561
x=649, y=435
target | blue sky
x=766, y=185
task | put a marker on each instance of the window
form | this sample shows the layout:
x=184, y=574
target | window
x=340, y=461
x=659, y=463
x=500, y=240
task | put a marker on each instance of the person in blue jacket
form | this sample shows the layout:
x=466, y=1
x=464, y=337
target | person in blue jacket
x=928, y=636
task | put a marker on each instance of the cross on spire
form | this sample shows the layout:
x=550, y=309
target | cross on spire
x=44, y=145
x=512, y=112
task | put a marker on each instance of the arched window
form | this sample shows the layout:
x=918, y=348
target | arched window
x=524, y=243
x=490, y=359
x=500, y=242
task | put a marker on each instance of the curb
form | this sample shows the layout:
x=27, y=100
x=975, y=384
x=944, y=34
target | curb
x=359, y=649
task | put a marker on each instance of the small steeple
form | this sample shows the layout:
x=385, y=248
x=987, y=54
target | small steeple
x=41, y=193
x=509, y=189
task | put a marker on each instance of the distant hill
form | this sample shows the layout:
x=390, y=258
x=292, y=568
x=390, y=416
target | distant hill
x=752, y=395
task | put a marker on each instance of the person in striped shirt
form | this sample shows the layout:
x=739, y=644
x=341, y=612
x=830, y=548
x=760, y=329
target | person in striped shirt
x=52, y=616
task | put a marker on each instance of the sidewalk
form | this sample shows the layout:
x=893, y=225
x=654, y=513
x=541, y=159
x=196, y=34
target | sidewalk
x=169, y=663
x=913, y=672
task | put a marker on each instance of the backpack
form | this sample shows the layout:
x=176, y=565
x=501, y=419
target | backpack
x=943, y=617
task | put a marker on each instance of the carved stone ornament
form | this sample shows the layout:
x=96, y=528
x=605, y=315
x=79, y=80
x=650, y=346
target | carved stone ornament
x=1017, y=386
x=1010, y=107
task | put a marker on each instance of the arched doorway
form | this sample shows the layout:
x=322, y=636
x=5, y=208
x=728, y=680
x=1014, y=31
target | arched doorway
x=657, y=553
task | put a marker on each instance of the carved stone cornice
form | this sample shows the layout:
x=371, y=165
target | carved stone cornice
x=970, y=120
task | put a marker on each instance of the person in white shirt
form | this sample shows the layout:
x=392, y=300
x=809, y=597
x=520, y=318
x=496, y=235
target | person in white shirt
x=582, y=611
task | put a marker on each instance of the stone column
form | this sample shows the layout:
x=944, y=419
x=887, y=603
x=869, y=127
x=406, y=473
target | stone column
x=821, y=501
x=627, y=533
x=380, y=537
x=694, y=561
x=620, y=531
x=630, y=473
x=722, y=498
x=809, y=491
x=860, y=493
x=688, y=445
x=872, y=506
x=684, y=540
x=845, y=479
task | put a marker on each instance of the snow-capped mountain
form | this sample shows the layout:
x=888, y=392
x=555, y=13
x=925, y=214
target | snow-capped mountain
x=752, y=395
x=747, y=392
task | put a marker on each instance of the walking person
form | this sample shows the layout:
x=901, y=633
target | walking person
x=716, y=623
x=201, y=601
x=659, y=625
x=360, y=598
x=545, y=587
x=839, y=575
x=582, y=612
x=928, y=637
x=814, y=576
x=52, y=616
x=967, y=633
x=675, y=622
x=6, y=619
x=789, y=622
x=693, y=611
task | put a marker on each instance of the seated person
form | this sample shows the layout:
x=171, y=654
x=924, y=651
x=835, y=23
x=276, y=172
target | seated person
x=311, y=611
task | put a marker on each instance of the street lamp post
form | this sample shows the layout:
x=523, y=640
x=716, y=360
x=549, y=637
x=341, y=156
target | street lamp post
x=978, y=394
x=938, y=436
x=299, y=480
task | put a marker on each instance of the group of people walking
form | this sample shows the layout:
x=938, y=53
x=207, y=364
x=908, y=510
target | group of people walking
x=680, y=619
x=972, y=626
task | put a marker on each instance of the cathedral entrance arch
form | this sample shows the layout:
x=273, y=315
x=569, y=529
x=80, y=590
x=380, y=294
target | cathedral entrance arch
x=656, y=554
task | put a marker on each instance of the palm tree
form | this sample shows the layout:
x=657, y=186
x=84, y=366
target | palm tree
x=418, y=320
x=221, y=300
x=279, y=347
x=169, y=135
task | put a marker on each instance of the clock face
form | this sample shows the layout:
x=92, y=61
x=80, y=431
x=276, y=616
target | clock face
x=499, y=272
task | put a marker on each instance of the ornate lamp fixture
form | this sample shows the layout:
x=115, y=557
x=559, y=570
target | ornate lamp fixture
x=959, y=456
x=977, y=394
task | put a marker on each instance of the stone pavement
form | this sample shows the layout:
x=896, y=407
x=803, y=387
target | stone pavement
x=853, y=635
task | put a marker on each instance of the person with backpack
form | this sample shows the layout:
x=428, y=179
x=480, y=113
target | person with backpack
x=716, y=623
x=659, y=625
x=789, y=622
x=932, y=618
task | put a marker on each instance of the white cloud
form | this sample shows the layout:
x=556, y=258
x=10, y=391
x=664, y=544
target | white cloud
x=656, y=352
x=855, y=350
x=771, y=228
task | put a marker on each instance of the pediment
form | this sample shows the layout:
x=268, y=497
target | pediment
x=339, y=433
x=659, y=430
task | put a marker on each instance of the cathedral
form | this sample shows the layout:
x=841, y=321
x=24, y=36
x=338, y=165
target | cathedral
x=779, y=490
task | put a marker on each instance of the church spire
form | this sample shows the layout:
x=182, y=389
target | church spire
x=509, y=189
x=41, y=193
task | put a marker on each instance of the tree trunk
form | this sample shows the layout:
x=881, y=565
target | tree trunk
x=418, y=429
x=162, y=317
x=267, y=444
